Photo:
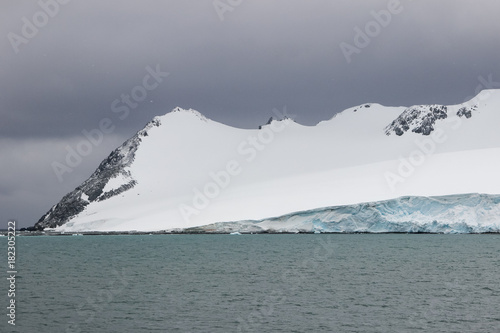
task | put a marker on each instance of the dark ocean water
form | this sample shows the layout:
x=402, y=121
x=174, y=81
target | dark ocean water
x=256, y=283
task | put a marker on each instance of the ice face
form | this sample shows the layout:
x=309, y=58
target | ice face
x=468, y=213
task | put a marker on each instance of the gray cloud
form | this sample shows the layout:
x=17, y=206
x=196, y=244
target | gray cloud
x=264, y=54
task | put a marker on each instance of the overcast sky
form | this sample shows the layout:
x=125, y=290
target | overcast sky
x=65, y=71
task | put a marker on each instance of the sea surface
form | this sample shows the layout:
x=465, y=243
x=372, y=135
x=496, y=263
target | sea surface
x=256, y=283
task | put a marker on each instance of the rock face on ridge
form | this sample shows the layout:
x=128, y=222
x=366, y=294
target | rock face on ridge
x=418, y=119
x=421, y=119
x=91, y=190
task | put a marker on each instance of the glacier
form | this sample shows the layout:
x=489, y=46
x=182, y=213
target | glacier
x=452, y=214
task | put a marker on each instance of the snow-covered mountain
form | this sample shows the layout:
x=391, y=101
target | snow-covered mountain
x=369, y=168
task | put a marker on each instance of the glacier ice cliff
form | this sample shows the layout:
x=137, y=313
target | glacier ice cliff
x=465, y=213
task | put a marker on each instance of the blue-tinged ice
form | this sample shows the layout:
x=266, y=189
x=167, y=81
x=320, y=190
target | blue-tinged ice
x=465, y=213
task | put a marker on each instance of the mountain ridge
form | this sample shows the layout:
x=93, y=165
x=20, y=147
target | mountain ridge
x=186, y=151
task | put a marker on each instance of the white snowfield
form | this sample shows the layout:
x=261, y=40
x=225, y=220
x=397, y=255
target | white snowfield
x=192, y=171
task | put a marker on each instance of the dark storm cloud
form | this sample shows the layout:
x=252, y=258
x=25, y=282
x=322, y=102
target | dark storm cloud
x=264, y=54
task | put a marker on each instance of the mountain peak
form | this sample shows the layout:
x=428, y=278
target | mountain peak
x=188, y=112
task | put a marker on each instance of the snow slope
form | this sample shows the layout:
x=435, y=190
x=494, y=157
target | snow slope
x=184, y=170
